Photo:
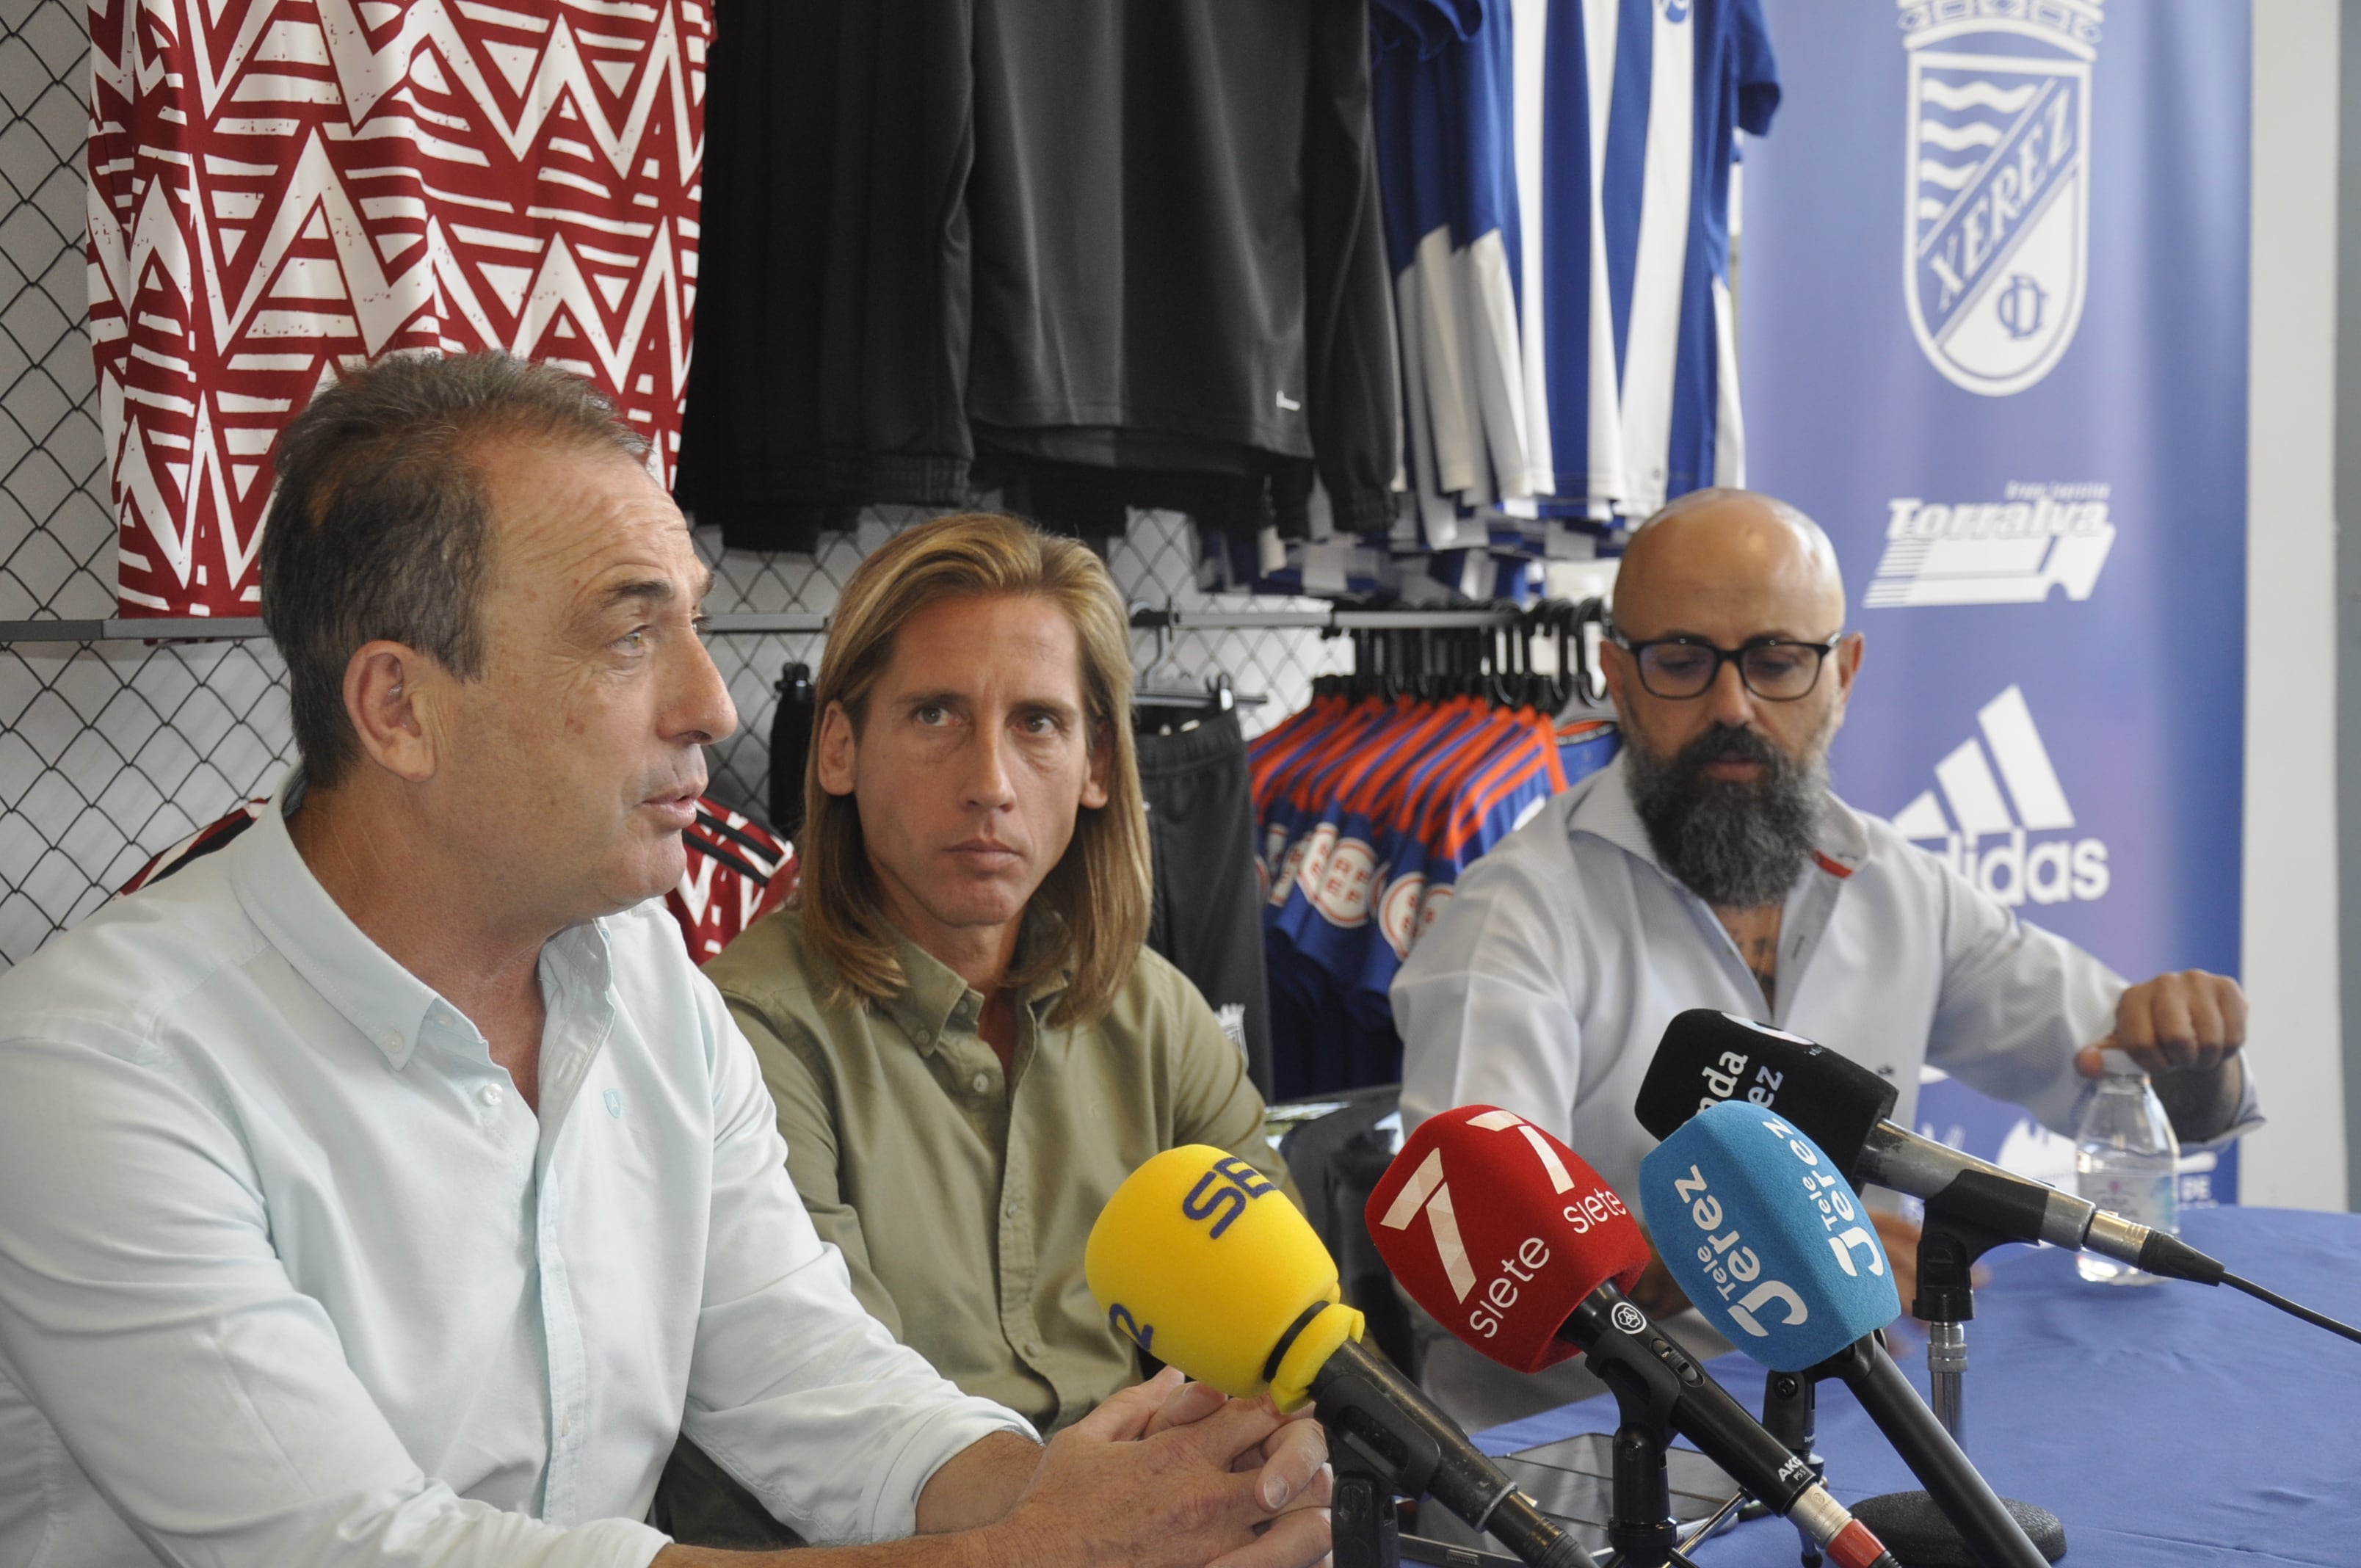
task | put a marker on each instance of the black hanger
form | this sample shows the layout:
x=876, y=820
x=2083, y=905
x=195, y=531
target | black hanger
x=791, y=738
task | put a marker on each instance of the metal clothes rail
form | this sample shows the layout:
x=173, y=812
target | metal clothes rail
x=747, y=624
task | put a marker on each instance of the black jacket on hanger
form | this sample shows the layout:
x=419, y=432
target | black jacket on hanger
x=1070, y=224
x=831, y=339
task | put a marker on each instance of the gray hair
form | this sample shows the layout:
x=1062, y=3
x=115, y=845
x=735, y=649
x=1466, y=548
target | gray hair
x=381, y=526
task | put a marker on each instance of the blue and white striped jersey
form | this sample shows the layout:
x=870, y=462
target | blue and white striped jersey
x=1688, y=75
x=1557, y=183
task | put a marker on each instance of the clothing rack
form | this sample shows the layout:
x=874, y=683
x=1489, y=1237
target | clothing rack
x=237, y=629
x=748, y=624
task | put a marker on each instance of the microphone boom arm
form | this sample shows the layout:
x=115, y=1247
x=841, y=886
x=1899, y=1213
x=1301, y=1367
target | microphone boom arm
x=1891, y=1156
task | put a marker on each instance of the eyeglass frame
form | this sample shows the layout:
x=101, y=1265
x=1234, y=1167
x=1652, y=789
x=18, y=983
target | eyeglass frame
x=1725, y=656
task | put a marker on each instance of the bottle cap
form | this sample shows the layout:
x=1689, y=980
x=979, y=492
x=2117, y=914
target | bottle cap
x=2119, y=1062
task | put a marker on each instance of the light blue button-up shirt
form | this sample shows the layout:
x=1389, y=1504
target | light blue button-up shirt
x=290, y=1274
x=1548, y=979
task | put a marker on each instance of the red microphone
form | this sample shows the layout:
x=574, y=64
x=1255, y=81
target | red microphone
x=1514, y=1244
x=1501, y=1270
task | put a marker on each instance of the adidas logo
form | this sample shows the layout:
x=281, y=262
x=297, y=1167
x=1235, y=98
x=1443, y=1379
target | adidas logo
x=2007, y=552
x=2028, y=862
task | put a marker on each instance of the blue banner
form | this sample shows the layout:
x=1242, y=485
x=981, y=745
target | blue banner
x=1994, y=337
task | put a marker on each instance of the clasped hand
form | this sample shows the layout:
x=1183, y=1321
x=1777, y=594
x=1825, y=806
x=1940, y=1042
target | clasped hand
x=1169, y=1472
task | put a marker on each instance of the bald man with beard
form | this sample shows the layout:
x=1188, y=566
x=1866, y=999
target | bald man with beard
x=1710, y=866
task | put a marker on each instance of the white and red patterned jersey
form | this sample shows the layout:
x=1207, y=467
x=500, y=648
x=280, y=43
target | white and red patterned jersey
x=282, y=188
x=738, y=871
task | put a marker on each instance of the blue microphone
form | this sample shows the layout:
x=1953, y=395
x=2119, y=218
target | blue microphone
x=1770, y=1241
x=1767, y=1236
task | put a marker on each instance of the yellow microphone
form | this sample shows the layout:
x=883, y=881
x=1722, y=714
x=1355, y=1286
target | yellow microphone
x=1202, y=1262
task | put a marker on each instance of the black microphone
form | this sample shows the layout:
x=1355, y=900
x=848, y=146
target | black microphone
x=1709, y=1057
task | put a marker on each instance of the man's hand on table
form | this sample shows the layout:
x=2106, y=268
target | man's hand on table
x=1167, y=1471
x=1292, y=1461
x=1899, y=1237
x=1165, y=1475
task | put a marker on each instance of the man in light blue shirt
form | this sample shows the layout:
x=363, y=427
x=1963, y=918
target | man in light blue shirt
x=1710, y=866
x=388, y=1188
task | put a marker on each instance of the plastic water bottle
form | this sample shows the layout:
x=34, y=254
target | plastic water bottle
x=2126, y=1160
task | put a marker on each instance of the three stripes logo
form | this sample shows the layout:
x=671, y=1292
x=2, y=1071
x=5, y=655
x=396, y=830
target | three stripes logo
x=2036, y=857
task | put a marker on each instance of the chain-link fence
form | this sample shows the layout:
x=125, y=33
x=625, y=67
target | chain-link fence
x=110, y=752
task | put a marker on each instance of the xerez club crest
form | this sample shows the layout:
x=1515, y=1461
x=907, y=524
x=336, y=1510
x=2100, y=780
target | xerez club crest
x=1997, y=198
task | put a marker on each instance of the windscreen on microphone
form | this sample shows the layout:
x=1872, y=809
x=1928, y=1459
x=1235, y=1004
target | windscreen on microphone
x=1765, y=1236
x=1707, y=1057
x=1202, y=1262
x=1501, y=1232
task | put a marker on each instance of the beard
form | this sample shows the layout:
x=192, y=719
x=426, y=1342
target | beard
x=1738, y=844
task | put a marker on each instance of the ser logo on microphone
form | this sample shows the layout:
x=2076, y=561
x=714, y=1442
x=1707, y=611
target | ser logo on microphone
x=1222, y=1193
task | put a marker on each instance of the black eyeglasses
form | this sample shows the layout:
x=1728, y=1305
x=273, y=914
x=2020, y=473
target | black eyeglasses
x=1776, y=669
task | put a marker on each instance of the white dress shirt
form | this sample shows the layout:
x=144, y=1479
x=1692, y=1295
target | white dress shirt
x=1546, y=983
x=290, y=1274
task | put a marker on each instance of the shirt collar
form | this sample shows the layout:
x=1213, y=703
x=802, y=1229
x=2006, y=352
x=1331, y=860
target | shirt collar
x=389, y=1005
x=1605, y=811
x=934, y=997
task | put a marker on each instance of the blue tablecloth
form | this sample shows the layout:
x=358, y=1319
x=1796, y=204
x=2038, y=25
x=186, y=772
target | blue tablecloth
x=2165, y=1425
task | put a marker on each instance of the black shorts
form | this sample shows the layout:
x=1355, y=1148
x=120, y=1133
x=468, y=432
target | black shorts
x=1208, y=909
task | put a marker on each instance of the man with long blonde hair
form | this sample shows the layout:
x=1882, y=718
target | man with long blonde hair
x=969, y=1043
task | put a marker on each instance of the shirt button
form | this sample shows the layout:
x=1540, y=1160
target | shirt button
x=983, y=1081
x=923, y=1036
x=393, y=1042
x=489, y=1094
x=1008, y=1209
x=1033, y=1347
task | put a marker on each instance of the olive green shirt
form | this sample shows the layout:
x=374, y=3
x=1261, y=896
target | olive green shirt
x=961, y=1196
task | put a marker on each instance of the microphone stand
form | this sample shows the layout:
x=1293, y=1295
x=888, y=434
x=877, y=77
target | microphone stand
x=1911, y=1522
x=1370, y=1465
x=1949, y=1246
x=1364, y=1526
x=1994, y=1535
x=1385, y=1441
x=1790, y=1414
x=1640, y=1530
